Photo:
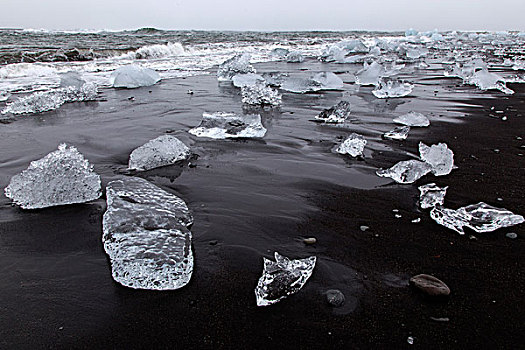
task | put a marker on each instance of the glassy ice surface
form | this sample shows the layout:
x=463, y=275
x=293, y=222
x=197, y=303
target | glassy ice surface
x=328, y=80
x=392, y=88
x=280, y=52
x=282, y=278
x=479, y=217
x=71, y=79
x=398, y=133
x=61, y=177
x=43, y=101
x=431, y=195
x=222, y=125
x=239, y=64
x=353, y=145
x=486, y=80
x=439, y=156
x=316, y=82
x=260, y=94
x=406, y=171
x=274, y=79
x=248, y=79
x=162, y=151
x=133, y=76
x=335, y=114
x=294, y=57
x=340, y=52
x=370, y=74
x=146, y=237
x=415, y=52
x=412, y=119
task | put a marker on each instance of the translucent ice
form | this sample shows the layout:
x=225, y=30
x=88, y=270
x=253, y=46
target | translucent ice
x=406, y=172
x=353, y=145
x=42, y=101
x=221, y=125
x=411, y=32
x=339, y=51
x=398, y=133
x=370, y=74
x=240, y=80
x=479, y=217
x=4, y=96
x=71, y=79
x=412, y=119
x=62, y=177
x=439, y=156
x=294, y=57
x=162, y=151
x=275, y=79
x=485, y=80
x=316, y=82
x=146, y=236
x=133, y=76
x=335, y=114
x=260, y=94
x=431, y=195
x=392, y=88
x=239, y=64
x=282, y=278
x=328, y=80
x=415, y=52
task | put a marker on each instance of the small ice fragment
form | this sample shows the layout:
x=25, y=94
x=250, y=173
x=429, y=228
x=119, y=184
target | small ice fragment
x=410, y=340
x=431, y=195
x=221, y=125
x=370, y=74
x=246, y=79
x=133, y=76
x=416, y=220
x=398, y=133
x=71, y=79
x=407, y=171
x=146, y=236
x=439, y=156
x=282, y=278
x=239, y=64
x=412, y=119
x=316, y=82
x=61, y=177
x=511, y=235
x=260, y=94
x=479, y=217
x=353, y=145
x=294, y=57
x=4, y=96
x=162, y=151
x=392, y=88
x=335, y=114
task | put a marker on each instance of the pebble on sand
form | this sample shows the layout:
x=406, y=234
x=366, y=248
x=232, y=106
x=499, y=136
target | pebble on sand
x=335, y=297
x=430, y=285
x=310, y=240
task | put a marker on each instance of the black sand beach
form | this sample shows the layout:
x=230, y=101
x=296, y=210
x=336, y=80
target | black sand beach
x=251, y=198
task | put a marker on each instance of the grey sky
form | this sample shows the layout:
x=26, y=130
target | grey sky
x=265, y=15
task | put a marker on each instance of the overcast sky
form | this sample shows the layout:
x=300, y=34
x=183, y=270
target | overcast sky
x=265, y=14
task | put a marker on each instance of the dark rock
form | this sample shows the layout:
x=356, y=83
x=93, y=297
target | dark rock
x=311, y=240
x=430, y=285
x=335, y=297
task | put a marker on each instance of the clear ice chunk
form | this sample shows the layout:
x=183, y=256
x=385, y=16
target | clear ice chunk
x=222, y=125
x=353, y=145
x=335, y=114
x=71, y=79
x=431, y=195
x=260, y=94
x=294, y=57
x=370, y=74
x=398, y=133
x=412, y=119
x=439, y=156
x=339, y=51
x=415, y=52
x=479, y=217
x=238, y=64
x=247, y=79
x=146, y=236
x=328, y=81
x=280, y=52
x=275, y=79
x=43, y=101
x=406, y=171
x=485, y=80
x=61, y=177
x=133, y=76
x=392, y=88
x=316, y=82
x=282, y=278
x=162, y=151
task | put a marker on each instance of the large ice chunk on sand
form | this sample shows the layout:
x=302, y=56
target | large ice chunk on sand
x=43, y=101
x=335, y=114
x=260, y=94
x=388, y=88
x=282, y=278
x=248, y=79
x=222, y=125
x=412, y=119
x=486, y=80
x=133, y=76
x=274, y=79
x=294, y=57
x=146, y=236
x=316, y=82
x=439, y=156
x=353, y=145
x=406, y=171
x=71, y=78
x=370, y=74
x=397, y=133
x=479, y=217
x=431, y=195
x=239, y=64
x=162, y=151
x=62, y=177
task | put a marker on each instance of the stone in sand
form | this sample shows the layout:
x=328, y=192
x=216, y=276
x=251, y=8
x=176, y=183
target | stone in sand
x=335, y=297
x=430, y=285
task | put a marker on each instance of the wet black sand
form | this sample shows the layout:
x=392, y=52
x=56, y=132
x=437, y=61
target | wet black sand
x=56, y=282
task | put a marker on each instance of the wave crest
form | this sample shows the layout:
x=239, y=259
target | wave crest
x=156, y=51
